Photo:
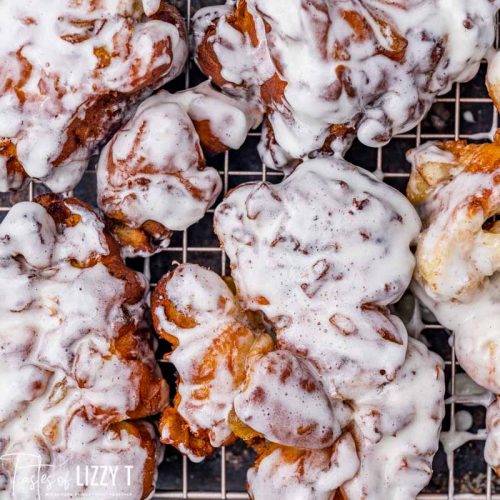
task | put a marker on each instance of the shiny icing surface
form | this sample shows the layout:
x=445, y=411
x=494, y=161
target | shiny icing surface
x=279, y=388
x=399, y=428
x=69, y=70
x=338, y=397
x=304, y=474
x=152, y=177
x=313, y=254
x=278, y=396
x=195, y=310
x=222, y=122
x=76, y=360
x=456, y=188
x=324, y=71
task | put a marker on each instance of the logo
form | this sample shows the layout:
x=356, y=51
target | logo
x=29, y=474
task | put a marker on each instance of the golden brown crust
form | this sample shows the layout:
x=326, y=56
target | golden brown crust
x=209, y=141
x=131, y=339
x=143, y=240
x=182, y=437
x=142, y=431
x=241, y=20
x=471, y=158
x=160, y=299
x=100, y=119
x=230, y=350
x=16, y=174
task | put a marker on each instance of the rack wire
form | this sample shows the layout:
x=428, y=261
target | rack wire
x=464, y=113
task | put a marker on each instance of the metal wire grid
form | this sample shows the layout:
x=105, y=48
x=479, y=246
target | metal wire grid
x=450, y=118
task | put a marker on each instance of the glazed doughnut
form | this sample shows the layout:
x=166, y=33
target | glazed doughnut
x=321, y=255
x=231, y=379
x=456, y=189
x=77, y=358
x=341, y=397
x=396, y=435
x=197, y=313
x=325, y=71
x=69, y=73
x=456, y=253
x=152, y=178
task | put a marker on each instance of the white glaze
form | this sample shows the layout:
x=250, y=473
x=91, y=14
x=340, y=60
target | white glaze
x=118, y=457
x=463, y=420
x=309, y=257
x=230, y=119
x=309, y=253
x=380, y=78
x=467, y=254
x=202, y=295
x=492, y=447
x=398, y=429
x=467, y=392
x=153, y=169
x=286, y=404
x=493, y=76
x=314, y=476
x=457, y=265
x=453, y=440
x=58, y=40
x=477, y=332
x=57, y=361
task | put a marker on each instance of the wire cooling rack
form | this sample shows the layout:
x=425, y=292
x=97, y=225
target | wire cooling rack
x=465, y=112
